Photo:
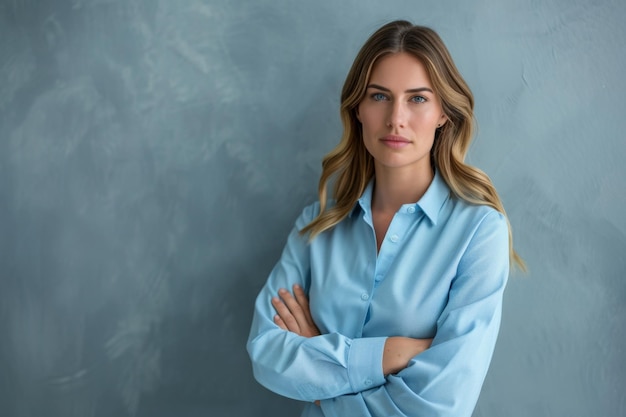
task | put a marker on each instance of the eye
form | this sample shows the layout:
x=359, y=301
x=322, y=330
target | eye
x=379, y=97
x=418, y=99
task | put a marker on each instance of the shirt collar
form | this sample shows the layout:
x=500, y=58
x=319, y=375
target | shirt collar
x=364, y=203
x=435, y=196
x=430, y=203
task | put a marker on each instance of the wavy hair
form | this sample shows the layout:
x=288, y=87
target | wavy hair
x=350, y=164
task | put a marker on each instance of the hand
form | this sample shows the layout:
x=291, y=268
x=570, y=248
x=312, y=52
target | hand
x=294, y=314
x=400, y=350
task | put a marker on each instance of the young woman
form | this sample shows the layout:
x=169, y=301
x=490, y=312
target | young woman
x=386, y=300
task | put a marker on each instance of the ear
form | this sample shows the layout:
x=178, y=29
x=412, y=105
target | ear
x=356, y=112
x=442, y=120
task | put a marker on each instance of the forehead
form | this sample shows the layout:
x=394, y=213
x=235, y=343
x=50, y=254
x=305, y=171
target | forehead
x=400, y=70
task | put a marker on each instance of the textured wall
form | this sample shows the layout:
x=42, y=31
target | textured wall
x=154, y=153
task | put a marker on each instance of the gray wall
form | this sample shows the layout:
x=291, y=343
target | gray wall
x=154, y=154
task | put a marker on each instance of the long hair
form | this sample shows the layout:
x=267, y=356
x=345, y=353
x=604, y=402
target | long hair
x=351, y=165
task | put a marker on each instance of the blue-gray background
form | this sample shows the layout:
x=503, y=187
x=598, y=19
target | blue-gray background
x=154, y=154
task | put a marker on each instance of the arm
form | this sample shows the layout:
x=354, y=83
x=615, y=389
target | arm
x=312, y=368
x=445, y=380
x=294, y=315
x=400, y=350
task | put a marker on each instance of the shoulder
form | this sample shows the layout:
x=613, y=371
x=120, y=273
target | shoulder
x=311, y=211
x=486, y=233
x=479, y=230
x=474, y=216
x=307, y=215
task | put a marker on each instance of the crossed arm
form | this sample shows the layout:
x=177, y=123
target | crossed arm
x=294, y=315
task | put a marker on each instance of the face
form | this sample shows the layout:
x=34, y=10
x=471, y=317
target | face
x=399, y=115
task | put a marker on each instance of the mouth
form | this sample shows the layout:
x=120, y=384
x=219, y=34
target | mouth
x=395, y=141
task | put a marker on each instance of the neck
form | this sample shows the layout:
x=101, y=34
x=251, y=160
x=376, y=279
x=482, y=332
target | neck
x=395, y=187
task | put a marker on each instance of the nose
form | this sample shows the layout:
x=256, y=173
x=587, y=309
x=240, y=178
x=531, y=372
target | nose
x=397, y=115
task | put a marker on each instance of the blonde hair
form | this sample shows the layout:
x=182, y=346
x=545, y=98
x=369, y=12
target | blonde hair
x=351, y=165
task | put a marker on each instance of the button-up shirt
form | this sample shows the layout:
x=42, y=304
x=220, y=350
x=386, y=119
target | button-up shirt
x=440, y=273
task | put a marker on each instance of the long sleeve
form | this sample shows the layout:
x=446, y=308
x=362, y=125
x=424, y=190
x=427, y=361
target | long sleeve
x=445, y=380
x=302, y=368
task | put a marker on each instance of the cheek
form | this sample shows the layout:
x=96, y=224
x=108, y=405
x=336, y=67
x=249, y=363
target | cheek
x=363, y=113
x=426, y=120
x=368, y=117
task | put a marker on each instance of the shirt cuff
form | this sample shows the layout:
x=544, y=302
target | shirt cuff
x=365, y=363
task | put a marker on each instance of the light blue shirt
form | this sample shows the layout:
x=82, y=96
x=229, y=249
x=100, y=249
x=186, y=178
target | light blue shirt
x=440, y=273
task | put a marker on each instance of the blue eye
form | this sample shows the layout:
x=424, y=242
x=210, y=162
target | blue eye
x=379, y=97
x=418, y=99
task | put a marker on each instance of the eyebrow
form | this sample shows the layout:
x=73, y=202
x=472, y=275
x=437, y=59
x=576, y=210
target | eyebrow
x=412, y=90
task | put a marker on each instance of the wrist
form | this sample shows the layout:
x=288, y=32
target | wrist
x=393, y=355
x=399, y=351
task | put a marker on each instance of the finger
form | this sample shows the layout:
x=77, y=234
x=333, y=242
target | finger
x=279, y=322
x=301, y=297
x=291, y=303
x=302, y=300
x=308, y=327
x=285, y=315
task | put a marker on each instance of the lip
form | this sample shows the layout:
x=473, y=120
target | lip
x=395, y=141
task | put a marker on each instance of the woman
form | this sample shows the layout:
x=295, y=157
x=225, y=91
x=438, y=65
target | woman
x=397, y=283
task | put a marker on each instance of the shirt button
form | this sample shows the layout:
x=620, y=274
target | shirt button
x=411, y=209
x=368, y=382
x=365, y=297
x=394, y=238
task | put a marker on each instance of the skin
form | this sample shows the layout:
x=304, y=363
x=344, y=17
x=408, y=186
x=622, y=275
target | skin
x=399, y=116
